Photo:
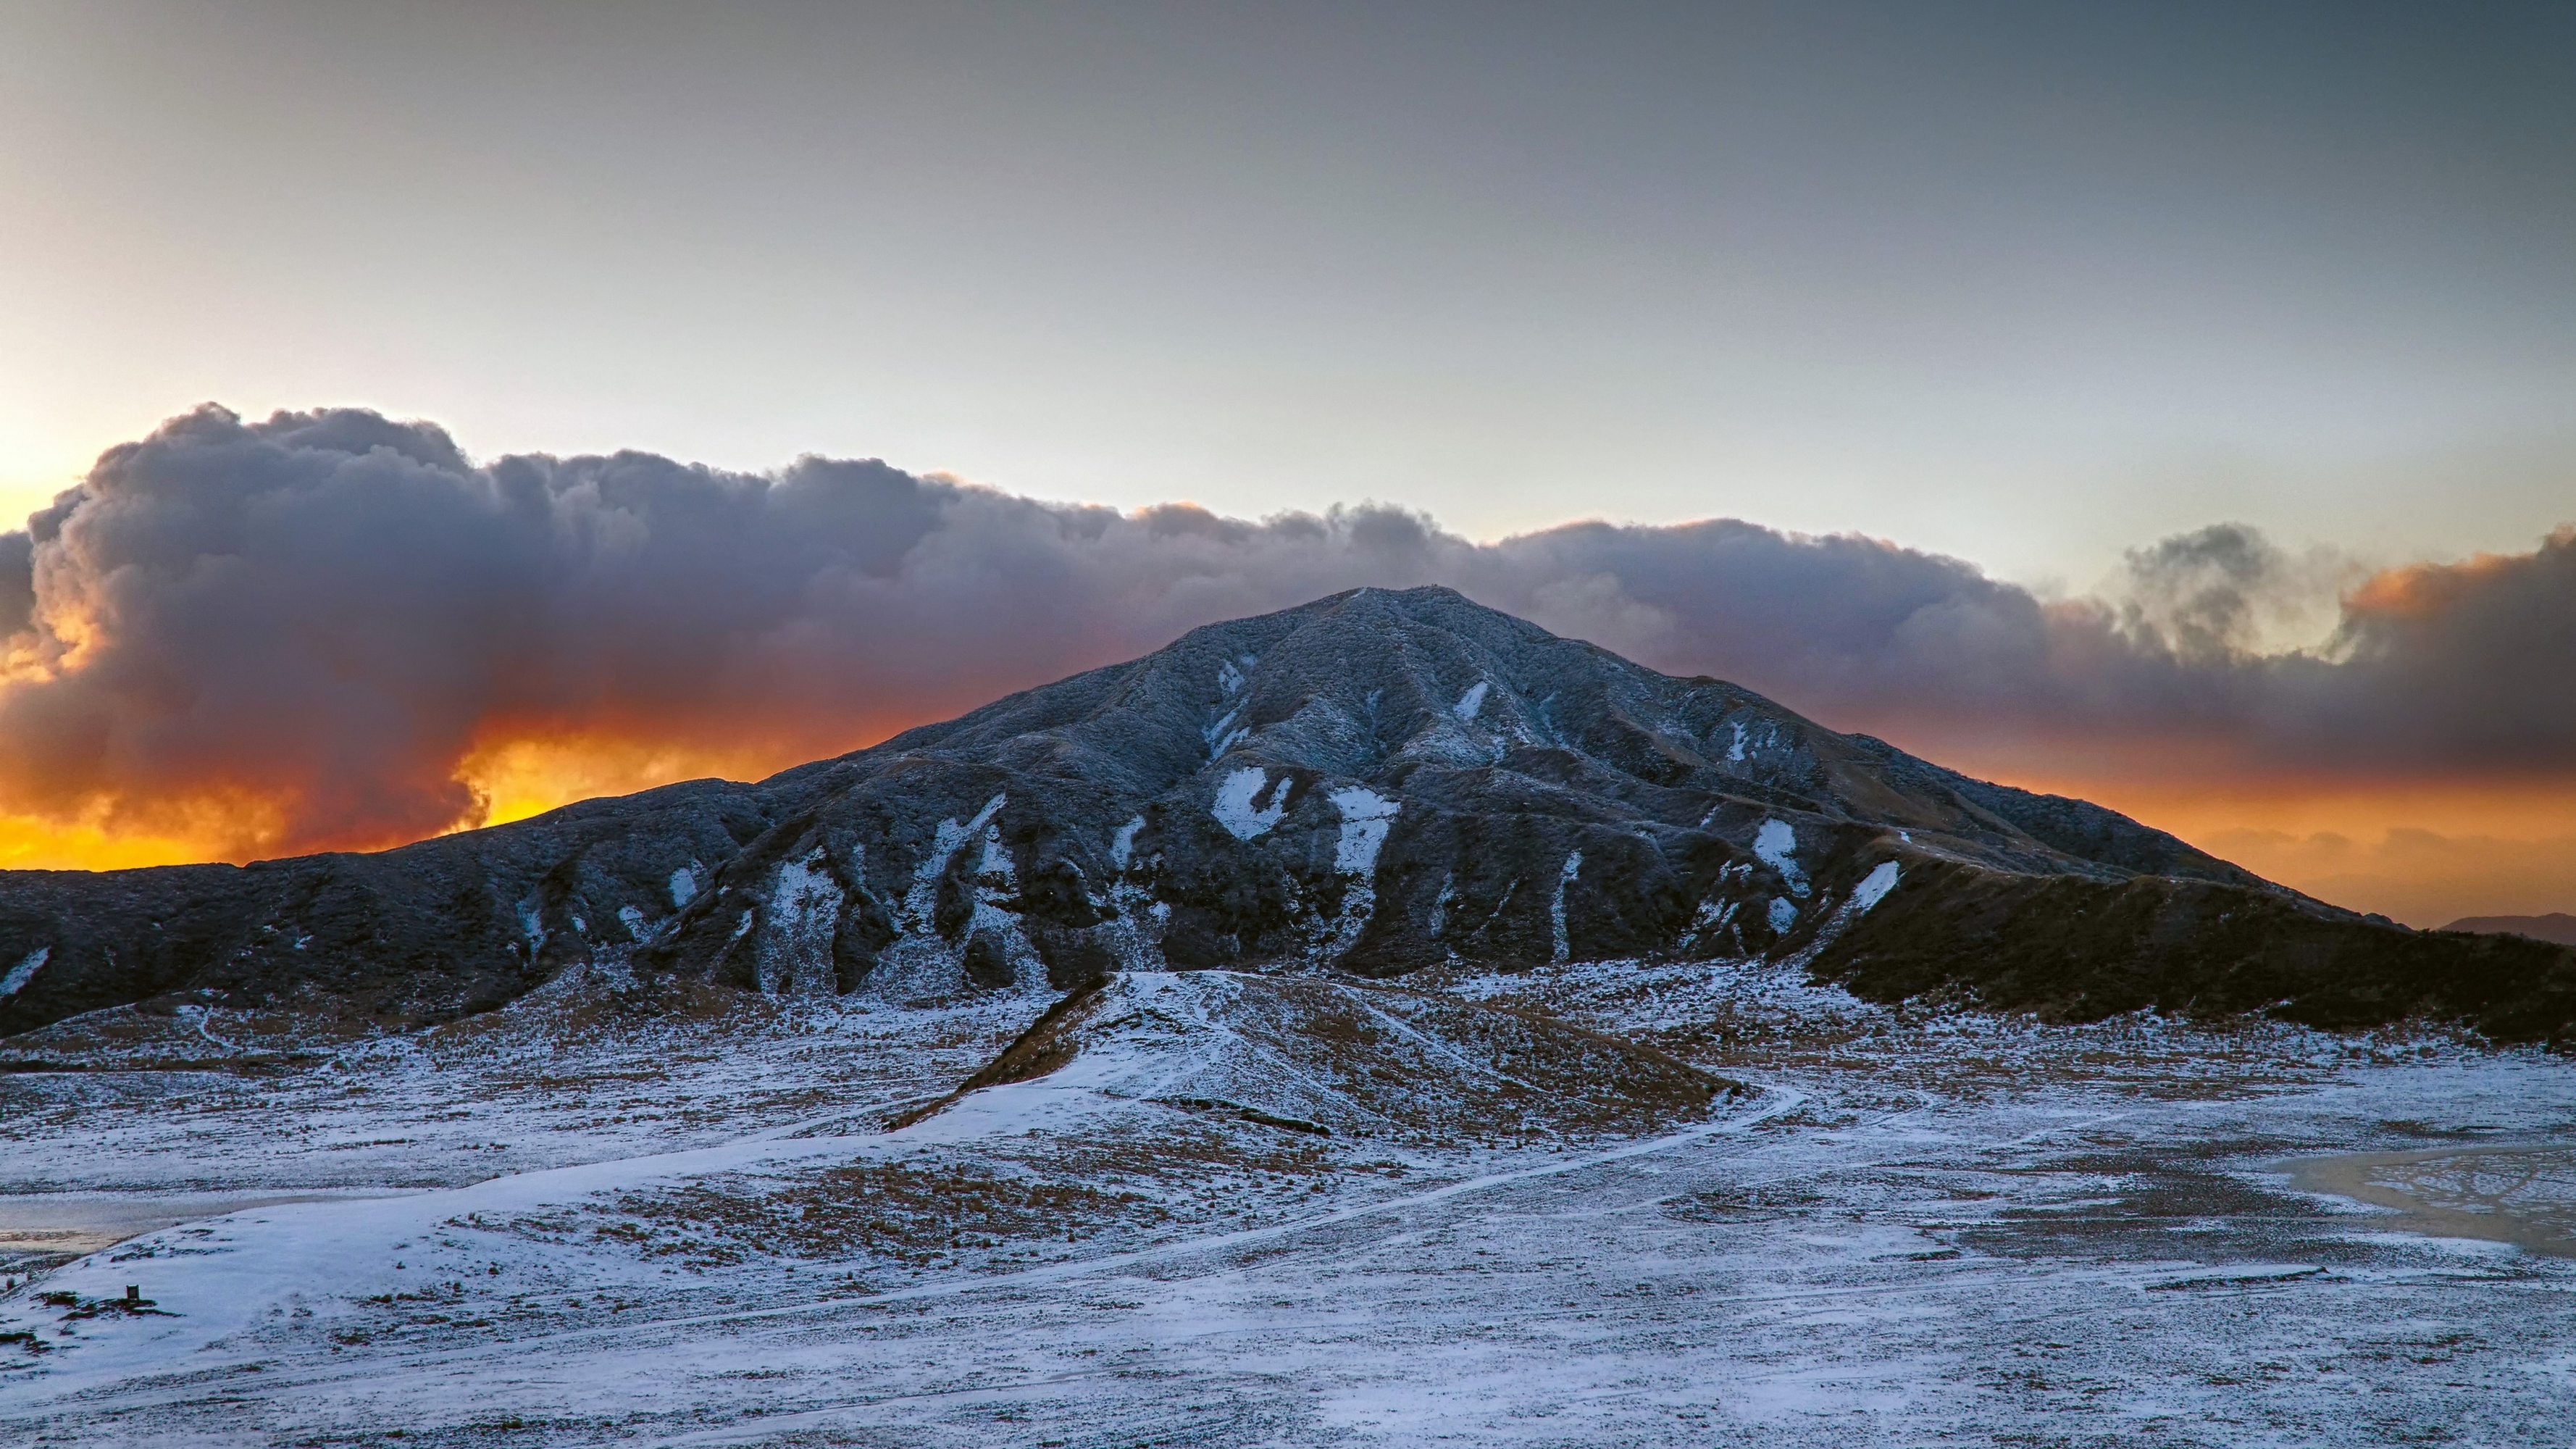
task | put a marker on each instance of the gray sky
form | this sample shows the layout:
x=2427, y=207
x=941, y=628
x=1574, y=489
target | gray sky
x=2026, y=284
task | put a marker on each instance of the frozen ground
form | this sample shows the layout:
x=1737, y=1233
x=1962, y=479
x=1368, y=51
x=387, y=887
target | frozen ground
x=579, y=1222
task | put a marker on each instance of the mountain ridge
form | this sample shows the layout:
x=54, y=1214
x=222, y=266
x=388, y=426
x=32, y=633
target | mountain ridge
x=2557, y=927
x=1374, y=782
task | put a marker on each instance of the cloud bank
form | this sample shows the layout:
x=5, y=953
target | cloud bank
x=291, y=634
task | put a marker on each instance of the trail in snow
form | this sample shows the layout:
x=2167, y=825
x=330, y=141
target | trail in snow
x=1924, y=1229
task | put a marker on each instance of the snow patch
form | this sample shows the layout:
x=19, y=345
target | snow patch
x=1712, y=917
x=996, y=878
x=1366, y=817
x=684, y=884
x=633, y=919
x=1873, y=888
x=1229, y=678
x=1235, y=806
x=1127, y=933
x=1777, y=845
x=1783, y=914
x=1122, y=846
x=950, y=835
x=1217, y=735
x=24, y=972
x=1556, y=908
x=795, y=953
x=1470, y=702
x=919, y=963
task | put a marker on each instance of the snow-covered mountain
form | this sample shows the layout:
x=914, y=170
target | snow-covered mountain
x=1375, y=783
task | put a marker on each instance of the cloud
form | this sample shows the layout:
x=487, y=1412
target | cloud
x=293, y=633
x=2226, y=589
x=17, y=584
x=2432, y=670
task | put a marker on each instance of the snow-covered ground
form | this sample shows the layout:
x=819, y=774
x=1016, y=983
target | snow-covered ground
x=578, y=1222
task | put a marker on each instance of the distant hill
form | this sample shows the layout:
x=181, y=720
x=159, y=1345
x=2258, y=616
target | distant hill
x=1369, y=784
x=2557, y=926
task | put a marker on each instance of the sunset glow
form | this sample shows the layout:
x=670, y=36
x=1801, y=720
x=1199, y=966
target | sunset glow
x=524, y=777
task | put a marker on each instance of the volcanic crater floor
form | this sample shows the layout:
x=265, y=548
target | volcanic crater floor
x=1591, y=1204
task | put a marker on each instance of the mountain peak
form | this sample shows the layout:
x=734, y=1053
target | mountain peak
x=1376, y=782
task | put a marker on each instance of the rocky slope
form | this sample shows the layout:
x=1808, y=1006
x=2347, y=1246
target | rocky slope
x=1375, y=782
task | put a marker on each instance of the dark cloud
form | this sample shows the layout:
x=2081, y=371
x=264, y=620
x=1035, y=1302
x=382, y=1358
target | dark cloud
x=2458, y=665
x=308, y=622
x=17, y=584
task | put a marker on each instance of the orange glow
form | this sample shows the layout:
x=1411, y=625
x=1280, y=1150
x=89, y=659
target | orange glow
x=2418, y=591
x=514, y=778
x=2193, y=809
x=2423, y=852
x=29, y=843
x=523, y=777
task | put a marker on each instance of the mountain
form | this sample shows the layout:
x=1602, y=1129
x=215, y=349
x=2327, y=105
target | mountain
x=1376, y=782
x=2557, y=926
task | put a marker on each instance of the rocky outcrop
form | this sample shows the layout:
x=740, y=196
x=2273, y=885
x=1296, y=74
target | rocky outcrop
x=1375, y=782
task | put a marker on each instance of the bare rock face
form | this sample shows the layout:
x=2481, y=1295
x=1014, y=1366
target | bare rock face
x=1373, y=783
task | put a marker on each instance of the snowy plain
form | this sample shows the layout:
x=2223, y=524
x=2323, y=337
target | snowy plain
x=588, y=1220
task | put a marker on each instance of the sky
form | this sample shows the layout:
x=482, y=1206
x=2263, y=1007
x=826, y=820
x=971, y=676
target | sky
x=2245, y=333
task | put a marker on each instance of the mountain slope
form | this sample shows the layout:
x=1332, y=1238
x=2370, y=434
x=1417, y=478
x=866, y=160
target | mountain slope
x=1376, y=782
x=1336, y=1058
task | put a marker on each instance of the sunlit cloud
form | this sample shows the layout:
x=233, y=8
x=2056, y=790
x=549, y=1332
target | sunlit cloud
x=334, y=630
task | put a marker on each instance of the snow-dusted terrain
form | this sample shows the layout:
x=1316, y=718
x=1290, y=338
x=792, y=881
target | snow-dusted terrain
x=880, y=1103
x=1606, y=1203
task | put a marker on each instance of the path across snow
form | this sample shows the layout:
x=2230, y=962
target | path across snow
x=1913, y=1232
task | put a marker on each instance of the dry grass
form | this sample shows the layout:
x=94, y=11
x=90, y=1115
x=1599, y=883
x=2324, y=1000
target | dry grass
x=896, y=1212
